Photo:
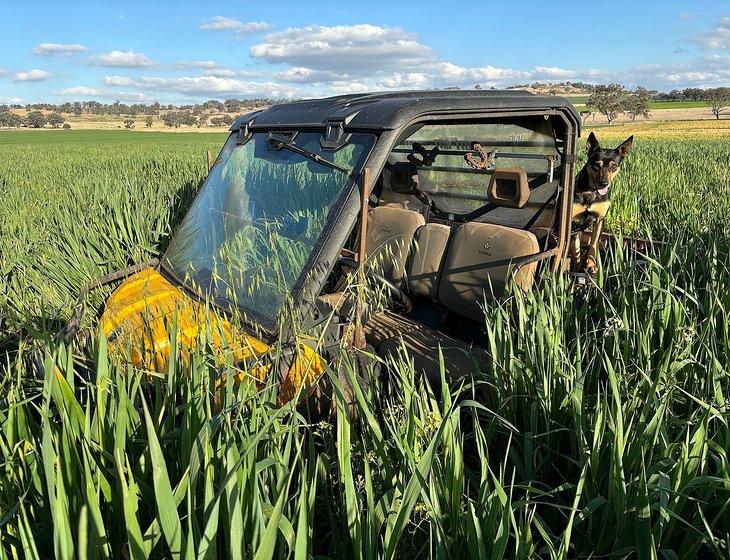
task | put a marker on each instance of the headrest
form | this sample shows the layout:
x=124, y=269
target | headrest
x=509, y=187
x=404, y=178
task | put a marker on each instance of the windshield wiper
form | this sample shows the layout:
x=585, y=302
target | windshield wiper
x=278, y=141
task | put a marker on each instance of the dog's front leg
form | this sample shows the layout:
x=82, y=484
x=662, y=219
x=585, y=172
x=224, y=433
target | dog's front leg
x=592, y=253
x=574, y=253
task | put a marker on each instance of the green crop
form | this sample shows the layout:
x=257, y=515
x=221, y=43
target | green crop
x=599, y=429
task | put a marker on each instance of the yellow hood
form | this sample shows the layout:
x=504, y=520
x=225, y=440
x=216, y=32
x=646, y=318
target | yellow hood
x=140, y=315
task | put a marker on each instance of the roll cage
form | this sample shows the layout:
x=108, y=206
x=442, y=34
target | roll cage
x=392, y=116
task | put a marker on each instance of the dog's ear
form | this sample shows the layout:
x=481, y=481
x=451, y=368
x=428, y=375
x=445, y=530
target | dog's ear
x=623, y=149
x=592, y=144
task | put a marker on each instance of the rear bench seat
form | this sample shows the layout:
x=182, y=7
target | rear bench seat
x=478, y=266
x=461, y=274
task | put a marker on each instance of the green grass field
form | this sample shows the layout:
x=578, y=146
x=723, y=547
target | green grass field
x=598, y=431
x=108, y=137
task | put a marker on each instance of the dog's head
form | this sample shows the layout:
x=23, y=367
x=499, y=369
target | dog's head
x=603, y=164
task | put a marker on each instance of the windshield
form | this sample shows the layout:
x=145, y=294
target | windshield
x=252, y=229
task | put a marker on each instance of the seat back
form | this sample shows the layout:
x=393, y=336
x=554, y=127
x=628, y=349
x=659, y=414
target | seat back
x=390, y=234
x=478, y=266
x=426, y=259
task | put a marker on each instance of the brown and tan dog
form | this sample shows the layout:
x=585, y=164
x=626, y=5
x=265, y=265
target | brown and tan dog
x=592, y=200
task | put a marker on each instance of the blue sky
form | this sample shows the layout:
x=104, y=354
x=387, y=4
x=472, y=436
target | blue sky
x=181, y=52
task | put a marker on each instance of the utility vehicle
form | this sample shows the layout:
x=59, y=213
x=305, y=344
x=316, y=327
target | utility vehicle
x=441, y=200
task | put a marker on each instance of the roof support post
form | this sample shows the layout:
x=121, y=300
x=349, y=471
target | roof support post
x=359, y=336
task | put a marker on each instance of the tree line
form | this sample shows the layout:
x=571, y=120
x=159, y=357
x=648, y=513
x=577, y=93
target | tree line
x=119, y=109
x=34, y=119
x=209, y=113
x=614, y=99
x=609, y=100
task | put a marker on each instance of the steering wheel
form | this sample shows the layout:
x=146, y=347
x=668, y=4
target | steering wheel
x=394, y=290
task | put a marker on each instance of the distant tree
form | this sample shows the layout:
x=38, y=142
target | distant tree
x=584, y=115
x=36, y=119
x=148, y=121
x=10, y=120
x=187, y=118
x=608, y=100
x=129, y=124
x=637, y=103
x=56, y=120
x=477, y=86
x=66, y=126
x=232, y=105
x=171, y=119
x=717, y=100
x=223, y=120
x=78, y=109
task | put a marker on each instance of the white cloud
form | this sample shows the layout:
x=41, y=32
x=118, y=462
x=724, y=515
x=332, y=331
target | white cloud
x=221, y=73
x=10, y=100
x=58, y=49
x=85, y=92
x=208, y=68
x=78, y=90
x=368, y=57
x=220, y=23
x=121, y=59
x=341, y=88
x=34, y=75
x=717, y=38
x=710, y=71
x=718, y=62
x=228, y=73
x=204, y=86
x=406, y=81
x=553, y=73
x=491, y=75
x=196, y=64
x=302, y=75
x=354, y=49
x=319, y=60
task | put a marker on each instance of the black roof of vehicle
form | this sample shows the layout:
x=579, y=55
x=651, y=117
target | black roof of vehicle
x=393, y=109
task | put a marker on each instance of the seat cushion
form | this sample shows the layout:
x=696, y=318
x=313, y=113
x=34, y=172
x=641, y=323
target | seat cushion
x=478, y=266
x=389, y=239
x=426, y=258
x=388, y=332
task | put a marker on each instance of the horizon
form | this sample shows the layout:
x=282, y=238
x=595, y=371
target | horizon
x=246, y=50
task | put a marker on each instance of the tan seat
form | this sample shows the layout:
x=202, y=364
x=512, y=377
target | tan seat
x=387, y=332
x=391, y=230
x=424, y=266
x=478, y=266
